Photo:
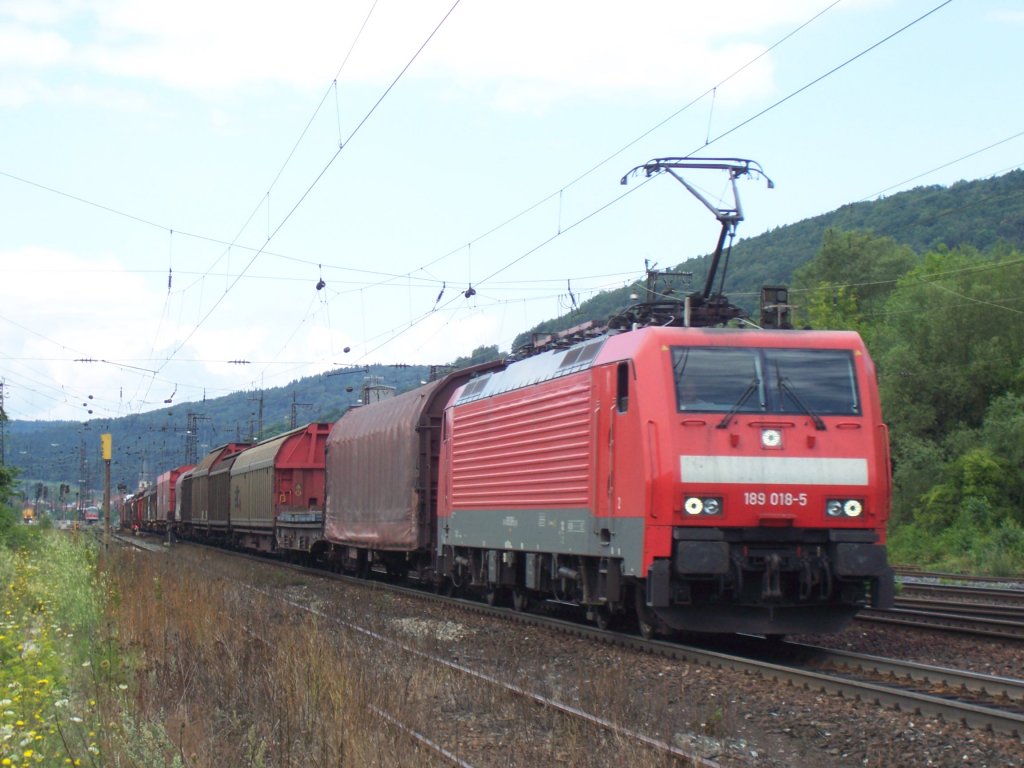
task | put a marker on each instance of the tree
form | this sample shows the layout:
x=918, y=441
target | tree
x=917, y=463
x=972, y=494
x=949, y=340
x=1003, y=434
x=482, y=354
x=835, y=308
x=7, y=477
x=856, y=272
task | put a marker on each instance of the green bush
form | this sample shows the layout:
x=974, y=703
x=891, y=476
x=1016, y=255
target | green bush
x=14, y=534
x=969, y=545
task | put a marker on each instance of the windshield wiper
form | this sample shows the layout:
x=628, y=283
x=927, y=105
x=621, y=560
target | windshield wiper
x=785, y=387
x=751, y=388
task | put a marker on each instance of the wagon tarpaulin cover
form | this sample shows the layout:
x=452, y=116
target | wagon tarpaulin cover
x=382, y=468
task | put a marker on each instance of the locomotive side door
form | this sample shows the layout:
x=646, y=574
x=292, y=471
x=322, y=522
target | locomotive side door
x=612, y=411
x=603, y=405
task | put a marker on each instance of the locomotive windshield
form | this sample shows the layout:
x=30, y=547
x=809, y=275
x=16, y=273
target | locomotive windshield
x=749, y=380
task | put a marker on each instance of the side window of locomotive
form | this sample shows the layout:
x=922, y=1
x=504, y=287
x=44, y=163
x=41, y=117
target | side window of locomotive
x=717, y=379
x=820, y=380
x=622, y=387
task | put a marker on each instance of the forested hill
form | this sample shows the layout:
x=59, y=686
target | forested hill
x=146, y=444
x=975, y=213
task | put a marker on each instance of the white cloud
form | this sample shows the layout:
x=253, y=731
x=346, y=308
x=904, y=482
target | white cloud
x=17, y=90
x=524, y=51
x=21, y=46
x=1013, y=17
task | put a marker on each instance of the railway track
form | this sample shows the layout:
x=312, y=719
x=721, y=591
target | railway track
x=937, y=578
x=982, y=701
x=976, y=701
x=983, y=611
x=949, y=622
x=974, y=596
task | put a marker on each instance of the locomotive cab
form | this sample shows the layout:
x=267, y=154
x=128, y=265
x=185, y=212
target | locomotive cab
x=777, y=481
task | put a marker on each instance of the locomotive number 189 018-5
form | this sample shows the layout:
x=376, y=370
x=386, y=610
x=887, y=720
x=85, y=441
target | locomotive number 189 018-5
x=774, y=499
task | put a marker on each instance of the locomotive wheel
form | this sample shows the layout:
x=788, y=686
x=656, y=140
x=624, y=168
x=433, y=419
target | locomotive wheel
x=492, y=595
x=603, y=617
x=520, y=598
x=646, y=621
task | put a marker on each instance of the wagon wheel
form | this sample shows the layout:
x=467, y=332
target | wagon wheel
x=603, y=617
x=520, y=598
x=363, y=564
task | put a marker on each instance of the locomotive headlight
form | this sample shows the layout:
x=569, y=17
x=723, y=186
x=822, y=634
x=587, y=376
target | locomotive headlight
x=771, y=438
x=698, y=506
x=844, y=507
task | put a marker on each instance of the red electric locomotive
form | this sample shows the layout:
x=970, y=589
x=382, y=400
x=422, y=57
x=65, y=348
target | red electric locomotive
x=720, y=480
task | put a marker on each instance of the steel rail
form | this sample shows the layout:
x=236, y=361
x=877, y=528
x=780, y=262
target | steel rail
x=989, y=686
x=950, y=622
x=919, y=573
x=963, y=593
x=420, y=738
x=980, y=610
x=566, y=709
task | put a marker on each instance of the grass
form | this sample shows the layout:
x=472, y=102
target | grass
x=121, y=659
x=239, y=678
x=49, y=689
x=968, y=547
x=140, y=659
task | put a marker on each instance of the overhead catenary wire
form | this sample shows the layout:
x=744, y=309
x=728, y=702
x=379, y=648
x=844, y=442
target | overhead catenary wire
x=504, y=223
x=266, y=196
x=829, y=73
x=736, y=127
x=234, y=242
x=316, y=180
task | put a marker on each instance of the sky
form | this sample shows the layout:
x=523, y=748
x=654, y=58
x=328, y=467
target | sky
x=211, y=196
